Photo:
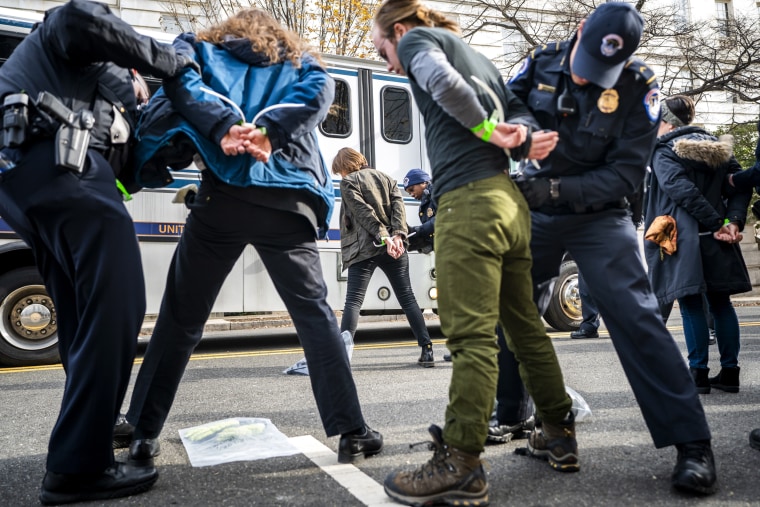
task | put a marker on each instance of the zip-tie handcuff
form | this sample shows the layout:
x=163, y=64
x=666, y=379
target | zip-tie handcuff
x=497, y=116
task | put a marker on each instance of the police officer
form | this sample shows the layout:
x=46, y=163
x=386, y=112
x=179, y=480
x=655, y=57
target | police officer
x=417, y=183
x=604, y=104
x=61, y=198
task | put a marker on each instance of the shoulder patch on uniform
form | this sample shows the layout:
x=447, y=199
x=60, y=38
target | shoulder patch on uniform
x=642, y=72
x=652, y=104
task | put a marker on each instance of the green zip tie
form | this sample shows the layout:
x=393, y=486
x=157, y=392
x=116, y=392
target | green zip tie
x=123, y=190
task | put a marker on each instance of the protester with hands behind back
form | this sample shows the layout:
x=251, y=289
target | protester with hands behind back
x=689, y=183
x=71, y=214
x=372, y=235
x=279, y=202
x=605, y=104
x=481, y=243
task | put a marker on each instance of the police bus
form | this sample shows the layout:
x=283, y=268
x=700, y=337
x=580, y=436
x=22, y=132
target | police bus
x=373, y=113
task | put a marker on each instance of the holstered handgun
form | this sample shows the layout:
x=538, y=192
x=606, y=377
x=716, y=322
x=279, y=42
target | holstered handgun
x=73, y=135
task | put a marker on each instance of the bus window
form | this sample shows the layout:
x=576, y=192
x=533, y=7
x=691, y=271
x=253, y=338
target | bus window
x=396, y=109
x=7, y=44
x=338, y=121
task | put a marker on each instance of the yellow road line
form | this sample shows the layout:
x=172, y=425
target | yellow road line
x=298, y=350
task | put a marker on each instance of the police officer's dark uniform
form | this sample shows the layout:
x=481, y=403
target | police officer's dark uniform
x=578, y=202
x=75, y=221
x=423, y=239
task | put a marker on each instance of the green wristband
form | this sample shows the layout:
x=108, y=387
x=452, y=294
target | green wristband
x=487, y=126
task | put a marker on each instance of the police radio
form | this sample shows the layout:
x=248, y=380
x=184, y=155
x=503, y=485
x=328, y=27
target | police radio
x=566, y=104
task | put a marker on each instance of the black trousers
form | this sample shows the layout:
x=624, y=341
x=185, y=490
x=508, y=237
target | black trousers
x=217, y=230
x=605, y=247
x=85, y=247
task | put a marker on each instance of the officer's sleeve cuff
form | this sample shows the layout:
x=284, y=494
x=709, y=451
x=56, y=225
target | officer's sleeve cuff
x=570, y=191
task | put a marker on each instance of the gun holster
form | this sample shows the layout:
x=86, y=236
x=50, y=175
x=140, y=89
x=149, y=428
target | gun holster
x=73, y=135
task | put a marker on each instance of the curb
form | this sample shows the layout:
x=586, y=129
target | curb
x=274, y=320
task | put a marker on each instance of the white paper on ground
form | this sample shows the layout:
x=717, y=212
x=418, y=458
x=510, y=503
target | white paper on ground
x=236, y=439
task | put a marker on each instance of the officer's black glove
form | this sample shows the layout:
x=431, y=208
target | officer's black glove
x=535, y=190
x=183, y=61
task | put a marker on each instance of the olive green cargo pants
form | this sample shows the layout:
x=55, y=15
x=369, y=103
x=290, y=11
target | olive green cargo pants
x=483, y=264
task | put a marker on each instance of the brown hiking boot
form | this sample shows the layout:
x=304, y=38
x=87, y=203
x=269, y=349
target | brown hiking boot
x=555, y=442
x=450, y=477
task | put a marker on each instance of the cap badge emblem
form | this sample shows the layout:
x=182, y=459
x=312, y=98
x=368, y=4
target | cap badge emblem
x=611, y=44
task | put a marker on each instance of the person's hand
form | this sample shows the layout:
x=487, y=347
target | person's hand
x=535, y=190
x=729, y=233
x=236, y=140
x=542, y=143
x=395, y=246
x=259, y=146
x=508, y=135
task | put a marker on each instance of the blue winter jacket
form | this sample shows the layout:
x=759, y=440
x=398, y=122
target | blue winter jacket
x=181, y=110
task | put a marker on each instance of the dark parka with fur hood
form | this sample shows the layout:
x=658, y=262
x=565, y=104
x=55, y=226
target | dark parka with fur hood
x=688, y=182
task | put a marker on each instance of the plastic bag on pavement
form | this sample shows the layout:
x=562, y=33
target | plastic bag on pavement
x=301, y=368
x=237, y=439
x=580, y=408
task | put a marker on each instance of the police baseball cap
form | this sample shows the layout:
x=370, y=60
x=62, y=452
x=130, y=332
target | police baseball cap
x=414, y=177
x=609, y=37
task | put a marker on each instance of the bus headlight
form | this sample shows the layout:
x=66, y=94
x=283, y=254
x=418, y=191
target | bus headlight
x=384, y=293
x=433, y=293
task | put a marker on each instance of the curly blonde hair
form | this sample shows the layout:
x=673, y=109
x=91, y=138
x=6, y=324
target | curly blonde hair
x=266, y=34
x=348, y=160
x=412, y=12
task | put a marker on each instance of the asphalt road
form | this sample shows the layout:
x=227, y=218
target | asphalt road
x=239, y=374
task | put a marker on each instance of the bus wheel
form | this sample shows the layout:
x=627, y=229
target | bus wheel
x=28, y=322
x=564, y=310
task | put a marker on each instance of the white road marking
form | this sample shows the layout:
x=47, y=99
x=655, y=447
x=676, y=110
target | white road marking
x=359, y=484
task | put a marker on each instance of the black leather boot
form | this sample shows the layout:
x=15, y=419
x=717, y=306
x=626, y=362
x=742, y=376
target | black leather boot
x=727, y=380
x=701, y=379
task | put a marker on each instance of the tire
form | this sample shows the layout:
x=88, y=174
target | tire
x=28, y=322
x=564, y=310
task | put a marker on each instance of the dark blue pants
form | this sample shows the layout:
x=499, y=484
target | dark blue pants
x=605, y=247
x=217, y=230
x=589, y=311
x=696, y=328
x=86, y=250
x=397, y=271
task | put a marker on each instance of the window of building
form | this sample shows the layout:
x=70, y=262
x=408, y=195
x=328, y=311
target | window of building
x=338, y=121
x=723, y=15
x=396, y=110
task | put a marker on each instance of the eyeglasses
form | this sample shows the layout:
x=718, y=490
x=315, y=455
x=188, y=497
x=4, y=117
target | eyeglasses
x=381, y=51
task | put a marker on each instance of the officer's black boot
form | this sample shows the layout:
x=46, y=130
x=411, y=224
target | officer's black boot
x=727, y=380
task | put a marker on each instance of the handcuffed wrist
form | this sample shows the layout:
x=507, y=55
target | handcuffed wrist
x=487, y=126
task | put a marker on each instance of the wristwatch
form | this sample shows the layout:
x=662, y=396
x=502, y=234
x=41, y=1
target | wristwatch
x=554, y=188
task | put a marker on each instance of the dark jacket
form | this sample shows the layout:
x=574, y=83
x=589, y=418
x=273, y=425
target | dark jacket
x=423, y=240
x=183, y=111
x=69, y=55
x=605, y=145
x=688, y=182
x=372, y=208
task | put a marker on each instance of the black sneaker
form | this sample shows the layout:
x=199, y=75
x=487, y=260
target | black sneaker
x=503, y=433
x=695, y=468
x=555, y=442
x=116, y=481
x=450, y=477
x=354, y=447
x=122, y=433
x=426, y=359
x=754, y=439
